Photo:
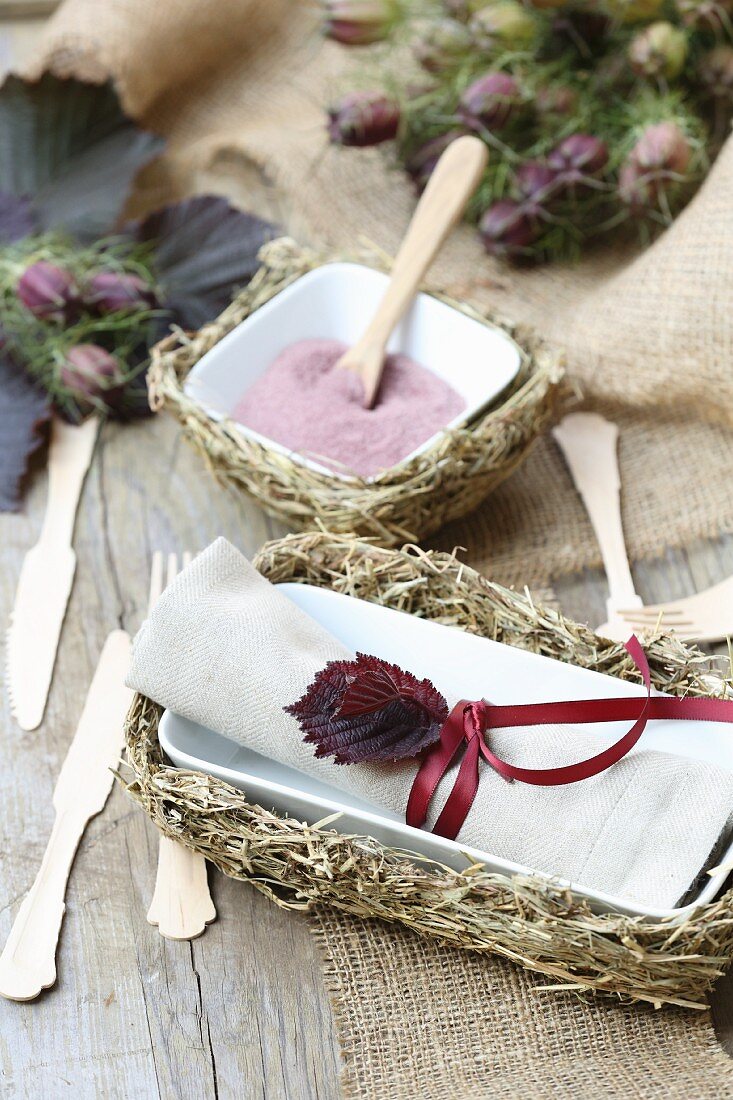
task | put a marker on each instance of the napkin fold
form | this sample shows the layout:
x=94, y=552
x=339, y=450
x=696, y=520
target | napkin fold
x=224, y=648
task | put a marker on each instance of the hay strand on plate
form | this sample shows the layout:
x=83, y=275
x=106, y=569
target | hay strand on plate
x=535, y=924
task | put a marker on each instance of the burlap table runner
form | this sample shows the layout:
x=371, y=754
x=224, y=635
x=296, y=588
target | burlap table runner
x=418, y=1022
x=238, y=87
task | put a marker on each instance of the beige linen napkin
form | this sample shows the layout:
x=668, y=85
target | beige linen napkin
x=224, y=648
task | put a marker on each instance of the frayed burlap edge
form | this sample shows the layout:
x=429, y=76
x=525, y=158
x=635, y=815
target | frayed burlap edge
x=522, y=918
x=445, y=482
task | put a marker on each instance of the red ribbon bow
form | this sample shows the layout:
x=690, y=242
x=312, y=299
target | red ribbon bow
x=468, y=722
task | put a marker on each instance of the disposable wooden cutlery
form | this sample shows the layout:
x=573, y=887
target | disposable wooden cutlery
x=28, y=962
x=47, y=575
x=589, y=444
x=182, y=905
x=705, y=617
x=449, y=188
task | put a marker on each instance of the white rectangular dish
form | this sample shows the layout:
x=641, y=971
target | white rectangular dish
x=463, y=660
x=336, y=302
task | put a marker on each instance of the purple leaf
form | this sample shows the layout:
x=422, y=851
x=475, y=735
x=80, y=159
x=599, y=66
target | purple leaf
x=367, y=709
x=24, y=413
x=205, y=250
x=69, y=146
x=16, y=217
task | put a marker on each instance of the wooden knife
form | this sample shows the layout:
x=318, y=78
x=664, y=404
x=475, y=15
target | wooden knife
x=47, y=575
x=28, y=962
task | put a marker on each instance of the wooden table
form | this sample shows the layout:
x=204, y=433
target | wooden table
x=241, y=1012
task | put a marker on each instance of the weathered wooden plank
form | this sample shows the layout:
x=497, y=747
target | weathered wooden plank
x=241, y=1010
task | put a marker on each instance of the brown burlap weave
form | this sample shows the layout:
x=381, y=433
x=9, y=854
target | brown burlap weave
x=237, y=85
x=421, y=1023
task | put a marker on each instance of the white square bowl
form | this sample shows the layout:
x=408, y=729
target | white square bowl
x=336, y=302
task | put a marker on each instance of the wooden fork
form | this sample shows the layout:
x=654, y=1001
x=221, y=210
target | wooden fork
x=705, y=617
x=589, y=444
x=181, y=906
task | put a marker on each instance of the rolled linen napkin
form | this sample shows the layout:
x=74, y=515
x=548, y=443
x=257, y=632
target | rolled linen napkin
x=224, y=648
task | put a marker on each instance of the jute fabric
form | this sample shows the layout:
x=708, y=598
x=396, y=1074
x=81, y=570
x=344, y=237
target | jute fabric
x=420, y=1022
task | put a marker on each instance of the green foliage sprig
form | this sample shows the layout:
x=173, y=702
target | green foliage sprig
x=80, y=319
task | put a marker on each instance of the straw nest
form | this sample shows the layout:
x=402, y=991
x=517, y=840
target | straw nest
x=405, y=503
x=541, y=927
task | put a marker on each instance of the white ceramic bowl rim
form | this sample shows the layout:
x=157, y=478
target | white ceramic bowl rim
x=346, y=295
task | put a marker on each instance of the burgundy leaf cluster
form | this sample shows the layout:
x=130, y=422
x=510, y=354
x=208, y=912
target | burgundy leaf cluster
x=369, y=710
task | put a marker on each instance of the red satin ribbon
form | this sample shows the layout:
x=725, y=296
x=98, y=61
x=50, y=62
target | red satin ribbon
x=468, y=722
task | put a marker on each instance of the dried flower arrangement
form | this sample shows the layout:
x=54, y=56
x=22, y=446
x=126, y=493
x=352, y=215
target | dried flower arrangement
x=84, y=291
x=601, y=118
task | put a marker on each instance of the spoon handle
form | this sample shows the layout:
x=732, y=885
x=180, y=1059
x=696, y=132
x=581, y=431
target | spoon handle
x=449, y=188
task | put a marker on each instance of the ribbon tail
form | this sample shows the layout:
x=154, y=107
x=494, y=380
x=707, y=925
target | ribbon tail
x=434, y=767
x=461, y=798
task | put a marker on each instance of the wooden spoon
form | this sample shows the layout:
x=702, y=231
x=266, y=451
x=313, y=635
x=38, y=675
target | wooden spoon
x=449, y=188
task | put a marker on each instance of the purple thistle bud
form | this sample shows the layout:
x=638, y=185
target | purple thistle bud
x=578, y=156
x=113, y=292
x=92, y=375
x=536, y=180
x=508, y=229
x=716, y=71
x=663, y=146
x=659, y=50
x=660, y=157
x=47, y=290
x=490, y=101
x=359, y=22
x=363, y=118
x=421, y=162
x=442, y=45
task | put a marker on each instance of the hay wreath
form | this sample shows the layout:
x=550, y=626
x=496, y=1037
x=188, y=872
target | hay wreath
x=403, y=504
x=523, y=918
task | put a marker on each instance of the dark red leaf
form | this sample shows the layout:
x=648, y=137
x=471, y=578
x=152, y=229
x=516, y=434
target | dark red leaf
x=205, y=249
x=24, y=412
x=367, y=709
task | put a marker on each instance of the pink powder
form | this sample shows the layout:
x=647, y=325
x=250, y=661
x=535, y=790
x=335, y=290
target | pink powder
x=304, y=403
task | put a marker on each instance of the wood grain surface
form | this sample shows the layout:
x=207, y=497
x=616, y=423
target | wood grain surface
x=241, y=1012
